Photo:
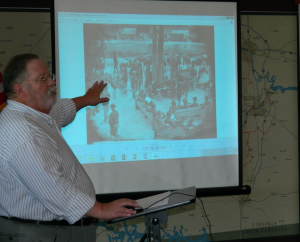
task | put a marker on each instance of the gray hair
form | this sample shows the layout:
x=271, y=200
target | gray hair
x=16, y=72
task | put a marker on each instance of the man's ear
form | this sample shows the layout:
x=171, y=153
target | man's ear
x=20, y=90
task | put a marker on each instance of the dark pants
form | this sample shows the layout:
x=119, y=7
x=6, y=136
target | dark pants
x=24, y=232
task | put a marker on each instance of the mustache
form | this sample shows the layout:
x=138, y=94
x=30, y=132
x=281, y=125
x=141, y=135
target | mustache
x=51, y=91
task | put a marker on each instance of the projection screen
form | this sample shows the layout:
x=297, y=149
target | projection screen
x=172, y=74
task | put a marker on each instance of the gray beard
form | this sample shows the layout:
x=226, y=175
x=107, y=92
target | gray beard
x=51, y=91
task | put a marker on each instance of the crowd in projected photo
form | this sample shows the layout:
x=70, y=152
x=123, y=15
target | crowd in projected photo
x=160, y=82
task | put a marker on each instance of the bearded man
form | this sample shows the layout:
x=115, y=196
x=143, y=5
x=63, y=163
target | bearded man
x=45, y=194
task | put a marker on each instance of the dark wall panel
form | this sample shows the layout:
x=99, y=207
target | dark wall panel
x=246, y=5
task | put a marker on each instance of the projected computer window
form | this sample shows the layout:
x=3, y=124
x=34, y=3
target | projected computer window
x=167, y=82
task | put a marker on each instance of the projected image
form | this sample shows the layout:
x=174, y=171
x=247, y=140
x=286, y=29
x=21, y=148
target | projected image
x=160, y=82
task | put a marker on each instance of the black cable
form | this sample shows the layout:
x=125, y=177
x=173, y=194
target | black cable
x=209, y=224
x=144, y=238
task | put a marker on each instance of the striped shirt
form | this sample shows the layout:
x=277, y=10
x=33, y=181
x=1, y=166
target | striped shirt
x=40, y=177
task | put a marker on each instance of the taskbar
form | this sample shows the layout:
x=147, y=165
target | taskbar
x=154, y=155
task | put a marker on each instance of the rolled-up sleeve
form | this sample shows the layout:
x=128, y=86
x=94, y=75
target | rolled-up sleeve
x=63, y=112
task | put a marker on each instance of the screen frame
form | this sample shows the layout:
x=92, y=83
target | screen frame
x=200, y=192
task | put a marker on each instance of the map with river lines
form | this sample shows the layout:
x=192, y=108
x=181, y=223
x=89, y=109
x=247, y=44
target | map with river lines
x=270, y=147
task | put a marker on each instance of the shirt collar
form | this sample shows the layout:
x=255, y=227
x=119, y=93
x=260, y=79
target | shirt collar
x=17, y=106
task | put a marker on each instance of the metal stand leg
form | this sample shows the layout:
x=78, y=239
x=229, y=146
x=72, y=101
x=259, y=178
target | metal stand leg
x=153, y=221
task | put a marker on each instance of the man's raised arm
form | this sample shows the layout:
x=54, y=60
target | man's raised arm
x=92, y=96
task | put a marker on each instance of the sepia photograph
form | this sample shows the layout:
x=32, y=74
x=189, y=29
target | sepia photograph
x=160, y=80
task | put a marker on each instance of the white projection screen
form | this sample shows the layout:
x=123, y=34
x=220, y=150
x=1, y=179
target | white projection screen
x=172, y=74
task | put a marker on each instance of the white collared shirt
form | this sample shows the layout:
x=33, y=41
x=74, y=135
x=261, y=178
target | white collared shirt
x=40, y=177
